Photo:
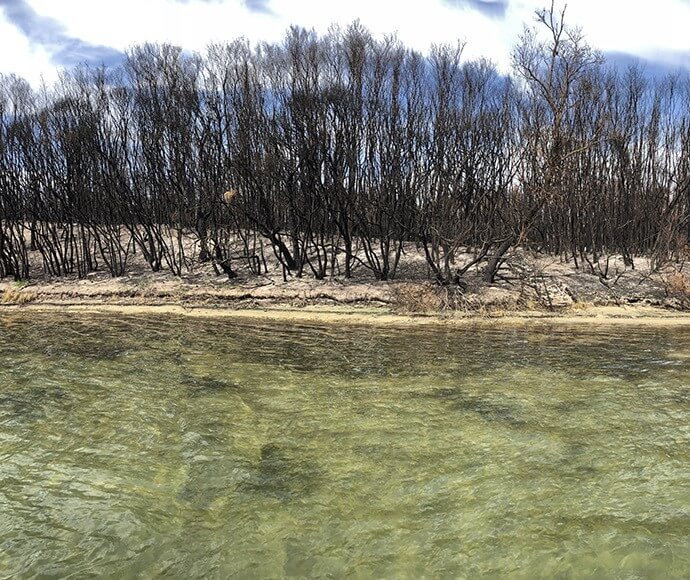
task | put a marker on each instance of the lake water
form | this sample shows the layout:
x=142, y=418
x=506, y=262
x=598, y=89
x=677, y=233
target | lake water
x=143, y=446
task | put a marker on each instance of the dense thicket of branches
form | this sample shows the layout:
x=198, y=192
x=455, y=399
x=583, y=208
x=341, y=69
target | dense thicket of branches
x=339, y=152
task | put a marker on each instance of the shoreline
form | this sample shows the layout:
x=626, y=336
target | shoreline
x=401, y=303
x=374, y=316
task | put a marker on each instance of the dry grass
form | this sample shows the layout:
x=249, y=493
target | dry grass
x=677, y=288
x=427, y=298
x=14, y=295
x=677, y=284
x=415, y=298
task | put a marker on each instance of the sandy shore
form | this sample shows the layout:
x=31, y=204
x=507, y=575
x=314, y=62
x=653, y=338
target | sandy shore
x=596, y=315
x=532, y=288
x=566, y=297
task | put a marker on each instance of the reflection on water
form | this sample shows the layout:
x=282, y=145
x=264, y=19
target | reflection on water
x=197, y=448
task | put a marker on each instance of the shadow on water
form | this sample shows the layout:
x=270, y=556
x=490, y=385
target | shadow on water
x=33, y=403
x=208, y=385
x=97, y=351
x=282, y=473
x=571, y=405
x=459, y=400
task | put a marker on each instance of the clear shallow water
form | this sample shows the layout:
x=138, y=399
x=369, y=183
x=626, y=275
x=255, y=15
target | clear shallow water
x=197, y=448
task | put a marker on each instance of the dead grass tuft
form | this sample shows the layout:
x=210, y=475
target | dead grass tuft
x=415, y=298
x=677, y=288
x=420, y=298
x=17, y=296
x=677, y=284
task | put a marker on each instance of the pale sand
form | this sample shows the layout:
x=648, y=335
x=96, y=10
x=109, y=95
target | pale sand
x=595, y=315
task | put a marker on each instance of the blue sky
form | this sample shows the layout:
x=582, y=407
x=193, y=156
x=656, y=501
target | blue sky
x=37, y=37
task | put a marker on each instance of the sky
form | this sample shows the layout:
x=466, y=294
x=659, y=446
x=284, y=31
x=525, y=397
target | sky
x=38, y=37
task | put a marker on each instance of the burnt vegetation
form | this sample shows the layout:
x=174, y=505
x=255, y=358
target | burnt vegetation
x=343, y=152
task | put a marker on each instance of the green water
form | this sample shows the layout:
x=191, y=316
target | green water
x=144, y=447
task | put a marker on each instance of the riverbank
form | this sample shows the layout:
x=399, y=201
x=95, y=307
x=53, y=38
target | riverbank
x=369, y=314
x=602, y=315
x=532, y=289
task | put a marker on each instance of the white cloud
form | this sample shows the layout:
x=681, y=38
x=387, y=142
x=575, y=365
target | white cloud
x=640, y=28
x=122, y=23
x=194, y=24
x=19, y=57
x=612, y=25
